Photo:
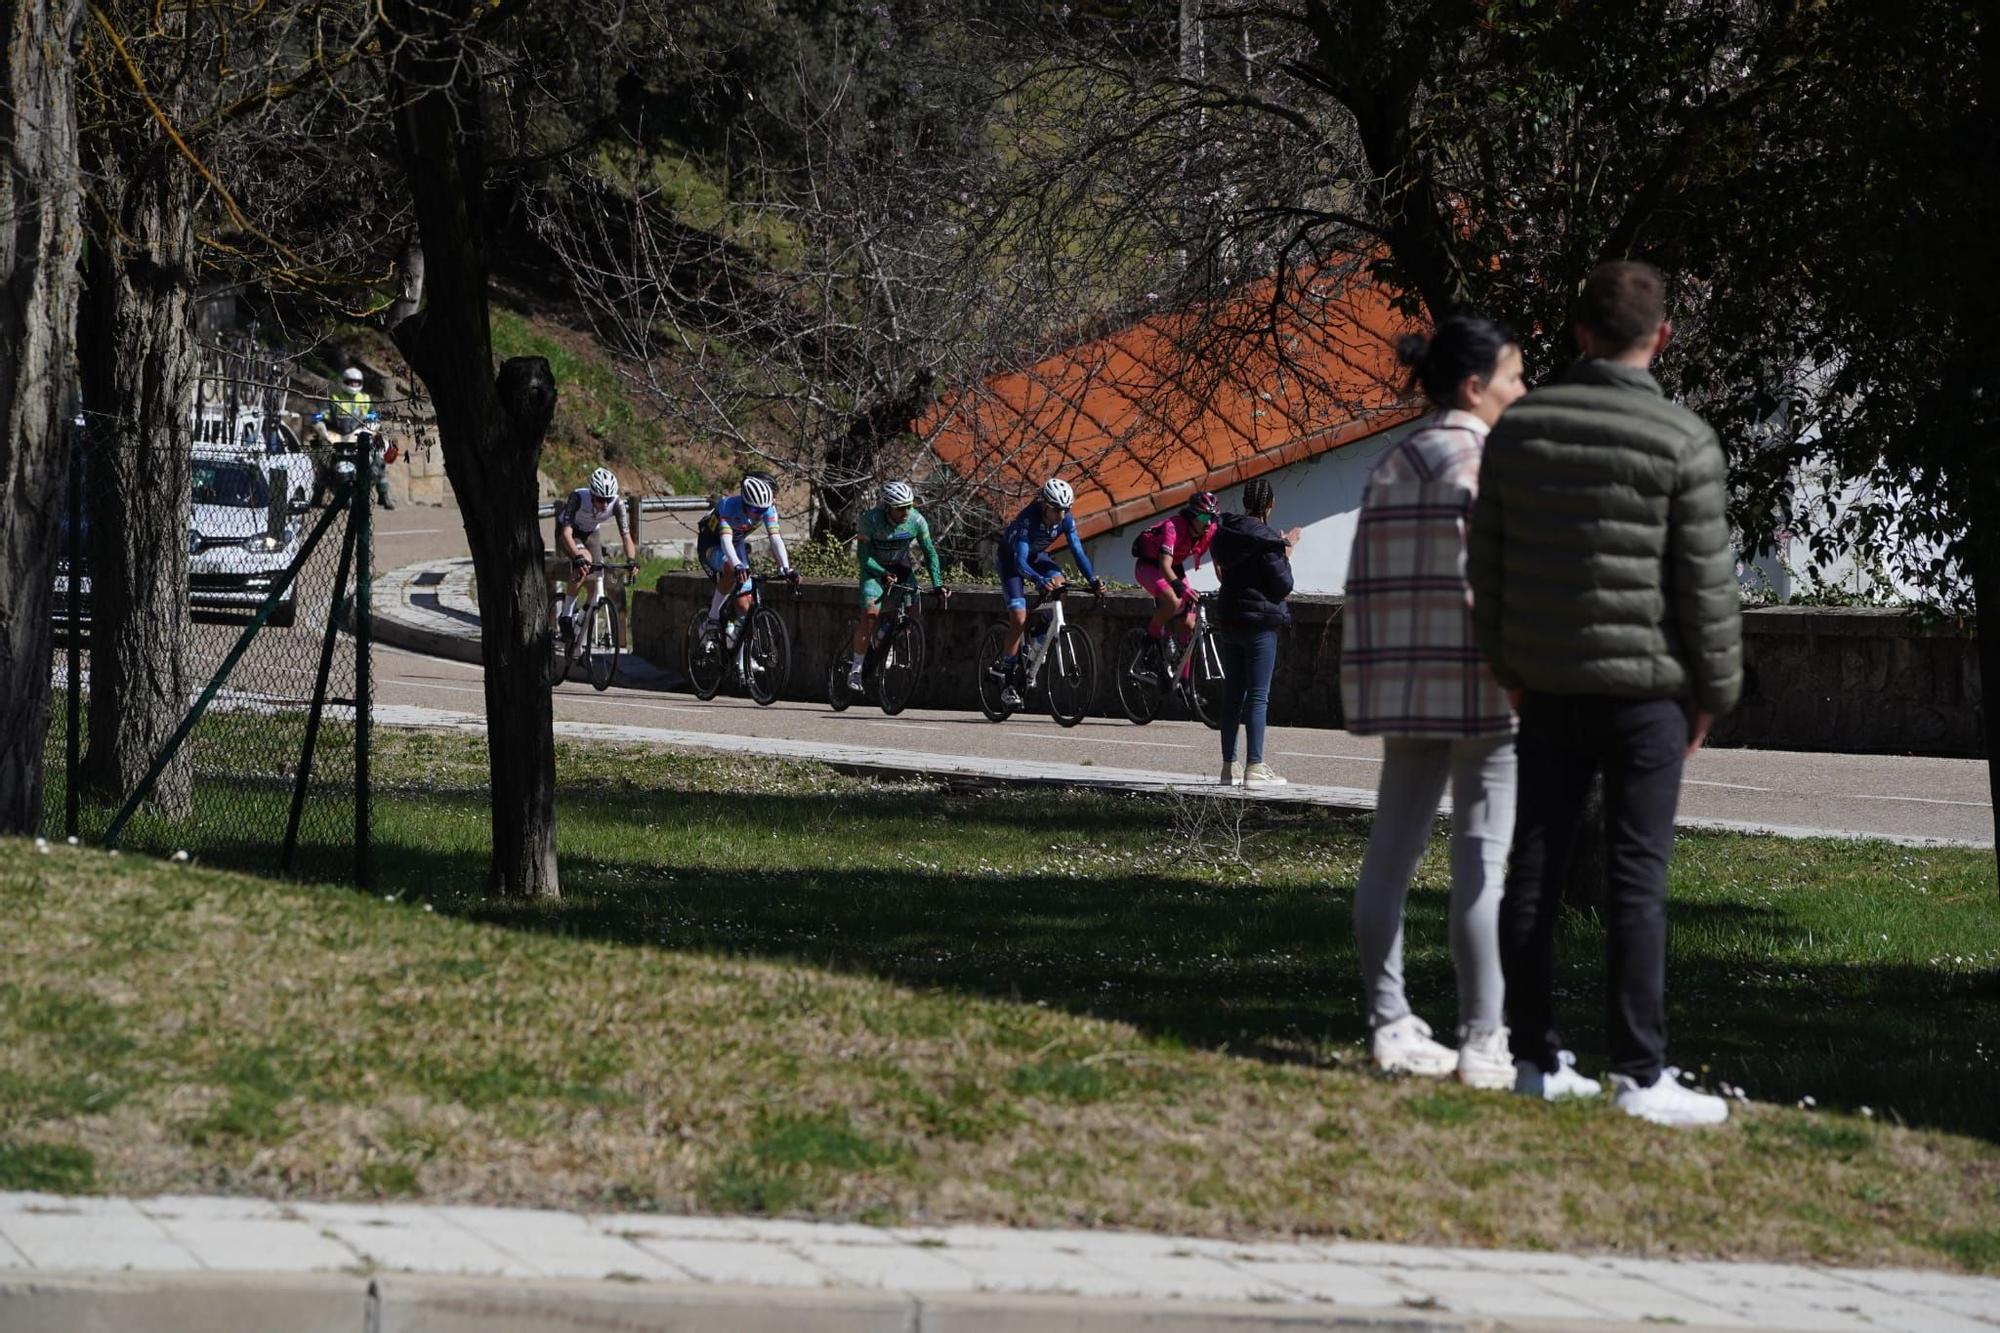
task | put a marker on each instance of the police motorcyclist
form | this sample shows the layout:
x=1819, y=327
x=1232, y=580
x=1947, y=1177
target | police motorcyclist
x=348, y=411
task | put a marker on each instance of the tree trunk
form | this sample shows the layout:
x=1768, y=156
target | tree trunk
x=136, y=350
x=1984, y=553
x=39, y=238
x=490, y=429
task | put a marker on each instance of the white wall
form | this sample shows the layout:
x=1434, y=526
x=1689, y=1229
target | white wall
x=1321, y=495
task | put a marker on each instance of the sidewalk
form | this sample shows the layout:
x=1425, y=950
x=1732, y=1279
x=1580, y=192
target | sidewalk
x=169, y=1264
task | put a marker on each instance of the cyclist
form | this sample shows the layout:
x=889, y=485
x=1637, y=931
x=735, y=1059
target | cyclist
x=577, y=536
x=722, y=542
x=882, y=550
x=1162, y=552
x=1025, y=558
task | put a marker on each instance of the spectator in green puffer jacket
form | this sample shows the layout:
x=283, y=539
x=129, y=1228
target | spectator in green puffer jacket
x=1605, y=599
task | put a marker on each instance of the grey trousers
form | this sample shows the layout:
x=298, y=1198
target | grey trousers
x=1414, y=772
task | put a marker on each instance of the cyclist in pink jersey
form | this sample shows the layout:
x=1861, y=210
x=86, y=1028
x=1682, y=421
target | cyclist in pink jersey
x=1164, y=553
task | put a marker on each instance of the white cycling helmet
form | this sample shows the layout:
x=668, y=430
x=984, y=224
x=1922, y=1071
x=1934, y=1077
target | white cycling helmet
x=758, y=493
x=604, y=484
x=898, y=494
x=1058, y=493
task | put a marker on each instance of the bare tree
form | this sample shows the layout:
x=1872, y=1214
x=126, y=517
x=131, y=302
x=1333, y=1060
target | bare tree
x=39, y=237
x=491, y=427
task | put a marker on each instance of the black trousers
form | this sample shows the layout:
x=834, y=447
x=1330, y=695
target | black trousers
x=1639, y=745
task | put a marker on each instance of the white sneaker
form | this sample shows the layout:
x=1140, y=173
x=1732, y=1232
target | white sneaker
x=1230, y=775
x=1530, y=1081
x=854, y=678
x=1484, y=1060
x=1667, y=1102
x=1405, y=1047
x=1260, y=775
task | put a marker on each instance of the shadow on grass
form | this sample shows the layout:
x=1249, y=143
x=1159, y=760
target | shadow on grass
x=1264, y=970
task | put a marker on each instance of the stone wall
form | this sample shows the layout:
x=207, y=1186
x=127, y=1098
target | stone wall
x=1848, y=681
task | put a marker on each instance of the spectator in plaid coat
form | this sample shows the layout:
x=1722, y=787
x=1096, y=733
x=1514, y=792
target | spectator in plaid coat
x=1411, y=673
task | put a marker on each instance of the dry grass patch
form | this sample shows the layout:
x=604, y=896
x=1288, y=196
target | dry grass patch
x=779, y=990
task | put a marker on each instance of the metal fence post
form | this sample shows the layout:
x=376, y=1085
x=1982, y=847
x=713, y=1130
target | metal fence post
x=214, y=686
x=72, y=549
x=327, y=642
x=364, y=560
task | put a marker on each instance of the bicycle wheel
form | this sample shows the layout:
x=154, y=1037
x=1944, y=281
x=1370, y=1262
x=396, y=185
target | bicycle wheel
x=606, y=629
x=990, y=689
x=836, y=672
x=562, y=655
x=705, y=662
x=1205, y=681
x=767, y=656
x=1069, y=676
x=1140, y=698
x=901, y=667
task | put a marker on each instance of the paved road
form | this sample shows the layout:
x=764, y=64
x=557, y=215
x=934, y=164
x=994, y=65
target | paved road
x=1893, y=795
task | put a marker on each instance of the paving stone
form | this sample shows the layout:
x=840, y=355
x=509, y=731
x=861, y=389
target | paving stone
x=1503, y=1295
x=260, y=1245
x=897, y=1267
x=107, y=1234
x=417, y=1240
x=1636, y=1300
x=751, y=1263
x=822, y=1233
x=673, y=1226
x=1342, y=1284
x=1022, y=1269
x=561, y=1244
x=1906, y=1314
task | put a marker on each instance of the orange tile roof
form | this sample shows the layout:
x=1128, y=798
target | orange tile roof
x=1137, y=424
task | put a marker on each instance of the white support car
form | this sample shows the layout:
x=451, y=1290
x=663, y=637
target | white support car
x=238, y=541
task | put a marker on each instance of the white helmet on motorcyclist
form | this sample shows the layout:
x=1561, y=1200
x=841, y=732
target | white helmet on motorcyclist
x=1058, y=493
x=604, y=484
x=898, y=494
x=757, y=492
x=351, y=377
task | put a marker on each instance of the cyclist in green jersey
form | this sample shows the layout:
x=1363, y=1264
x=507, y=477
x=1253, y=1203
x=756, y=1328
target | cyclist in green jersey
x=883, y=551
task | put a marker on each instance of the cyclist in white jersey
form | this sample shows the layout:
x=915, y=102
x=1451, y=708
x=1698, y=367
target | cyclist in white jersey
x=577, y=524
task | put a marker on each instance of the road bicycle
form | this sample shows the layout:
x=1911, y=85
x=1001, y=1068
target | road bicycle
x=753, y=649
x=1146, y=665
x=1069, y=685
x=894, y=664
x=593, y=636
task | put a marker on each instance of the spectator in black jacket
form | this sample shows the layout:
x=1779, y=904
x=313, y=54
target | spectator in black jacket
x=1254, y=562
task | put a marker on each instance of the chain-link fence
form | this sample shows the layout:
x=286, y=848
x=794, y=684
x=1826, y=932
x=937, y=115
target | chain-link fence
x=211, y=671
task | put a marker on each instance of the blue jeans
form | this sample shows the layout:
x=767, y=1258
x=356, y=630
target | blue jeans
x=1248, y=658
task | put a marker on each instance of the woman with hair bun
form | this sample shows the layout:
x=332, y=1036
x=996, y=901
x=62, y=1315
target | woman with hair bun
x=1411, y=674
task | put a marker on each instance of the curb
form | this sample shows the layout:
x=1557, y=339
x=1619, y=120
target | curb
x=399, y=623
x=215, y=1302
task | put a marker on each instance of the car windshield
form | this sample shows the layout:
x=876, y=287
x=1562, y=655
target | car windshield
x=230, y=484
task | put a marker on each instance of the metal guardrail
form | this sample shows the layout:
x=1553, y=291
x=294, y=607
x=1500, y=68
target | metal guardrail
x=651, y=504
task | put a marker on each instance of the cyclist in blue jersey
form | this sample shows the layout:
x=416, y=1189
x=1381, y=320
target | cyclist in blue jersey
x=1024, y=558
x=722, y=542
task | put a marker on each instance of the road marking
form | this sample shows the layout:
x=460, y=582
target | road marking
x=892, y=722
x=1924, y=800
x=1730, y=786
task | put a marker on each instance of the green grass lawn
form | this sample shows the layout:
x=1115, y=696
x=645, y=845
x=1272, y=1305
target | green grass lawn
x=773, y=988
